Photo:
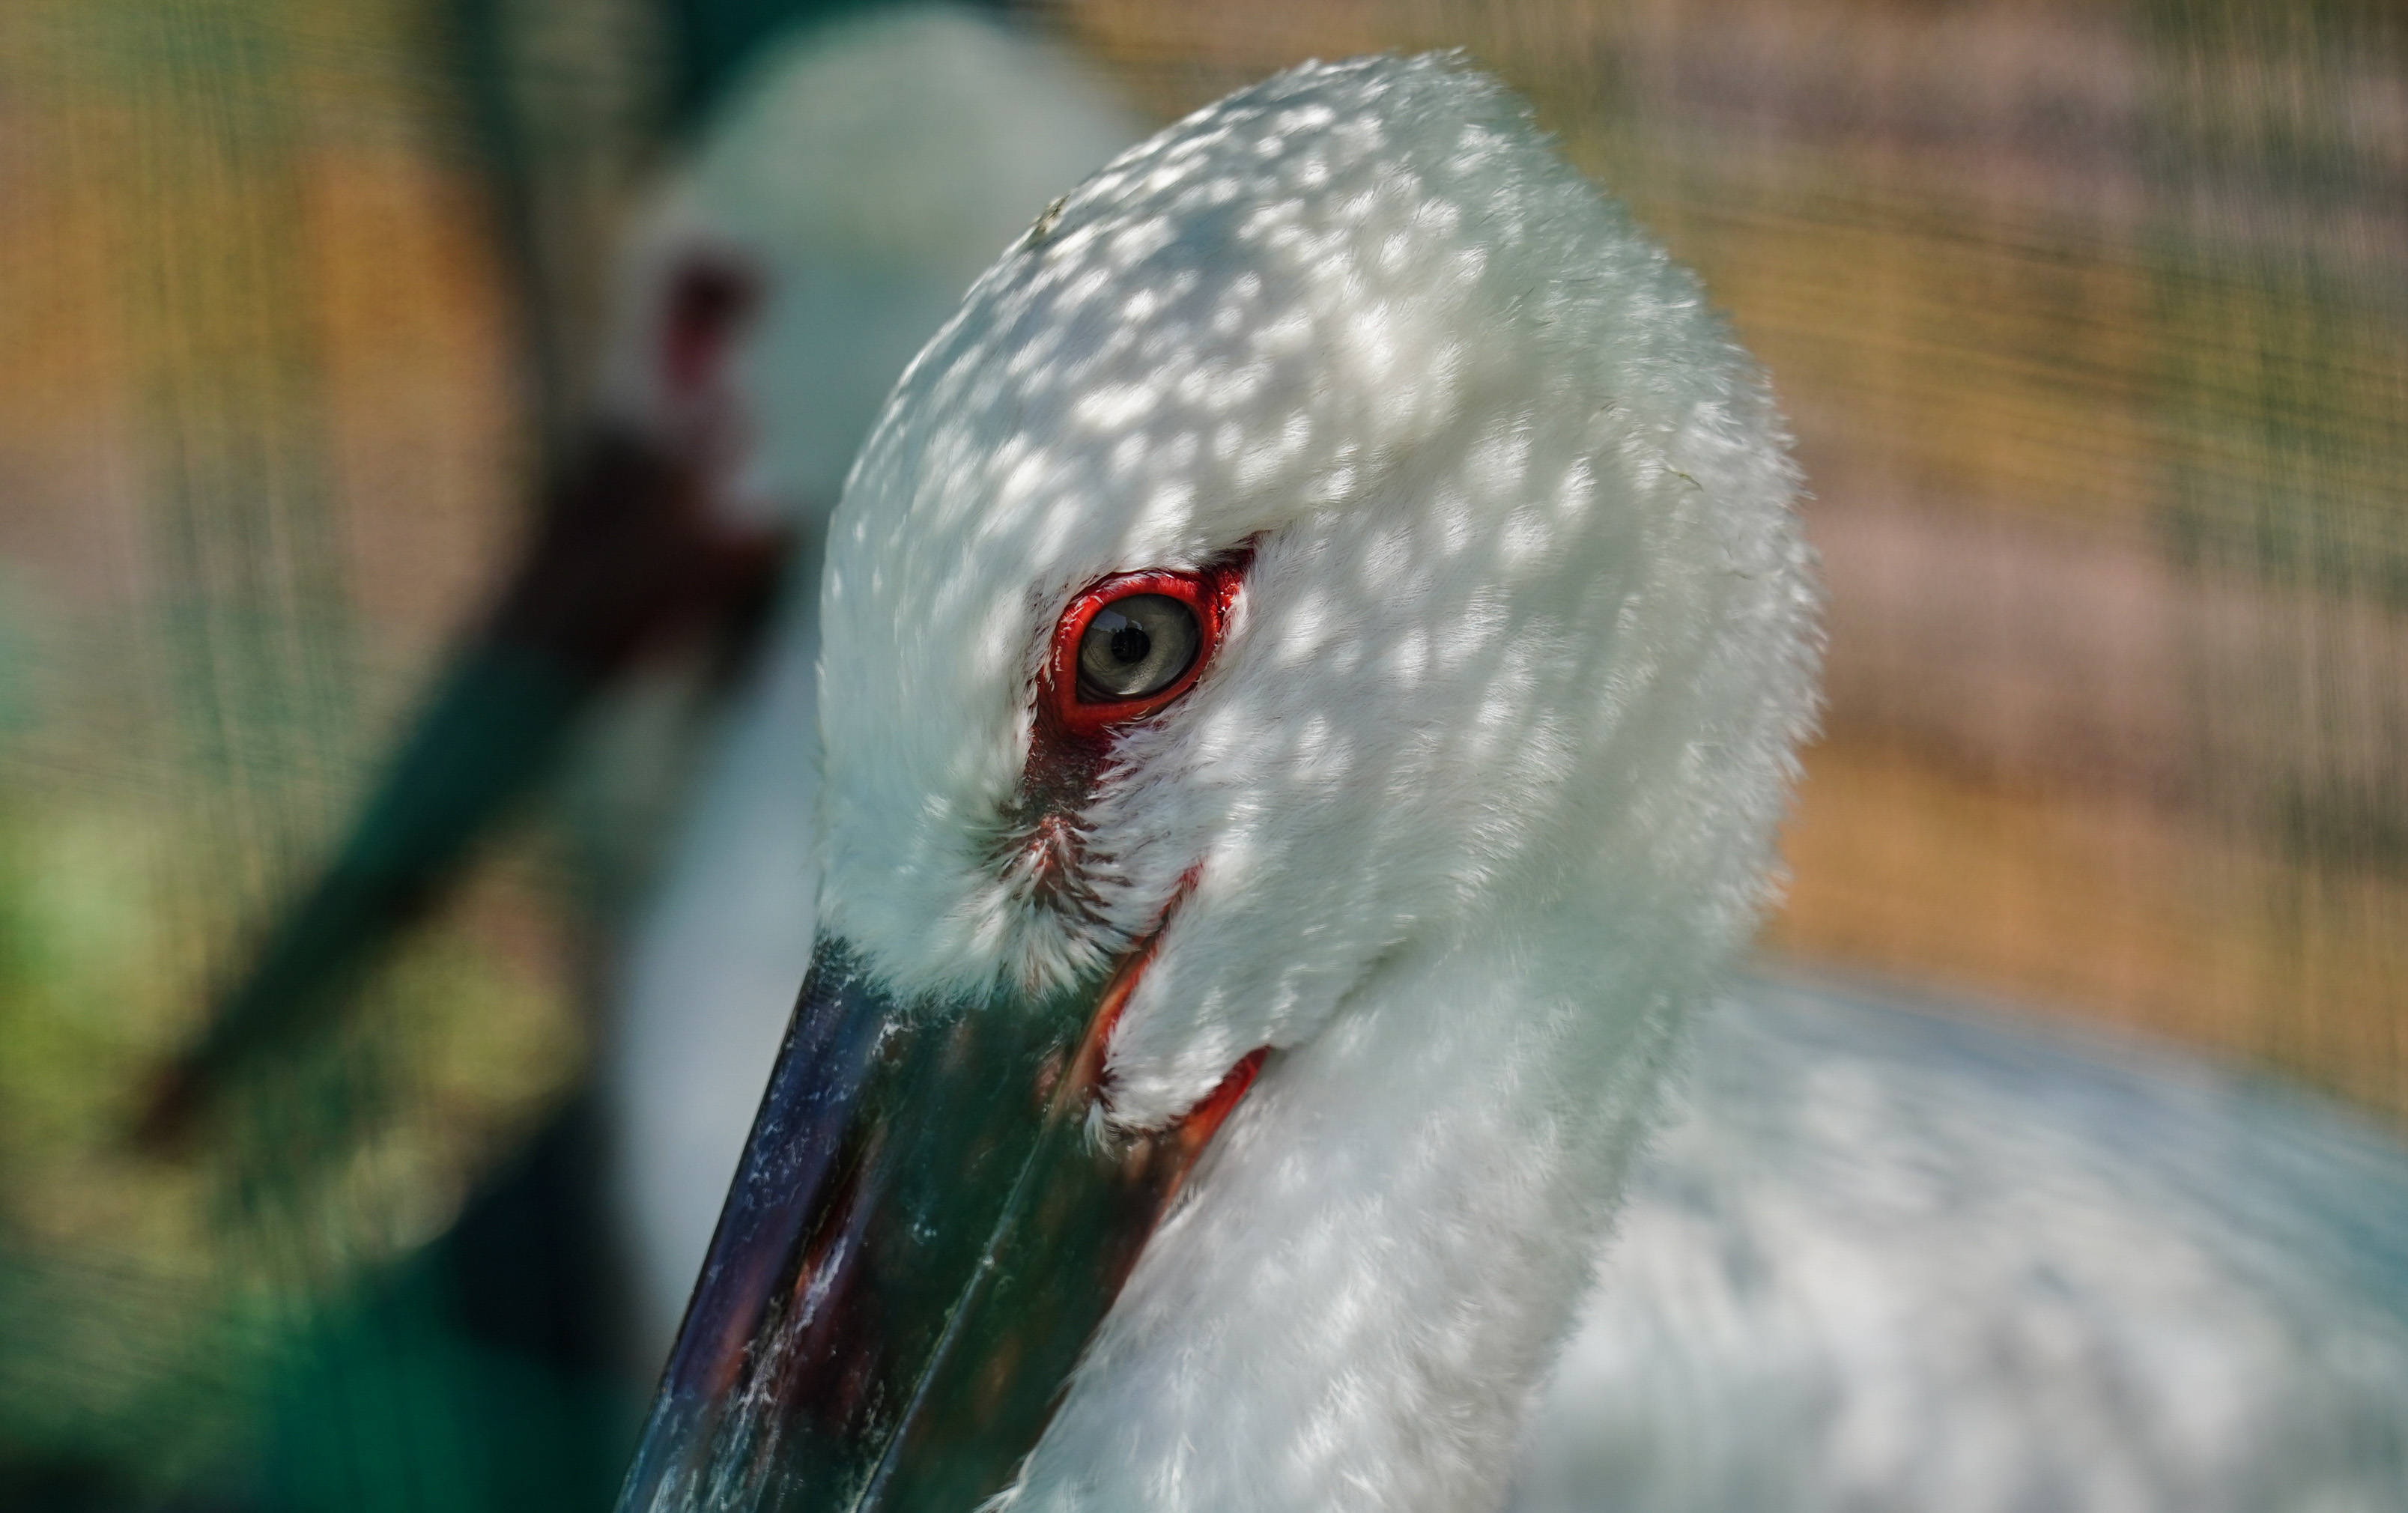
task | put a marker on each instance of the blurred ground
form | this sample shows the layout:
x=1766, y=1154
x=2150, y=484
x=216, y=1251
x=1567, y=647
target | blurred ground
x=2092, y=322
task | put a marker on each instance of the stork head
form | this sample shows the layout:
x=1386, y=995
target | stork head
x=1313, y=653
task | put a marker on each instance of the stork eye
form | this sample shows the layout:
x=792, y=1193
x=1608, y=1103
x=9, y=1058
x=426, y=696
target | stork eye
x=1136, y=646
x=1129, y=644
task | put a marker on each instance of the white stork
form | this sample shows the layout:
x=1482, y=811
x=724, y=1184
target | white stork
x=1310, y=660
x=1313, y=654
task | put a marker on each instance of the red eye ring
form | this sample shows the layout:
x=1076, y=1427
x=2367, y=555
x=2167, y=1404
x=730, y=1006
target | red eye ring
x=1207, y=595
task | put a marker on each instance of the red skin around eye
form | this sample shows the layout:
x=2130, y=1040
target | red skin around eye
x=1208, y=593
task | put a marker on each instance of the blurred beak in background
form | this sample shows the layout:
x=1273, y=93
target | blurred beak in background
x=630, y=554
x=926, y=1227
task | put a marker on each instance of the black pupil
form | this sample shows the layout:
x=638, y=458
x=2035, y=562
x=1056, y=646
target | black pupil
x=1130, y=644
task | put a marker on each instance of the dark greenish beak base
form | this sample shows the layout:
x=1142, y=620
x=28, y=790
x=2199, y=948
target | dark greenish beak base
x=921, y=1238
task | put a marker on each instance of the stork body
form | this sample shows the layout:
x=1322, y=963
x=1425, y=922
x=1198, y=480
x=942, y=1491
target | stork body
x=1889, y=1255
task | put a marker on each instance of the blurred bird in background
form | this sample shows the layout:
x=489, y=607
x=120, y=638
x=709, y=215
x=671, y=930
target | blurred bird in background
x=849, y=173
x=1886, y=1258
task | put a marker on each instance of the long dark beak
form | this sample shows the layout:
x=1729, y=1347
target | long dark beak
x=921, y=1236
x=625, y=556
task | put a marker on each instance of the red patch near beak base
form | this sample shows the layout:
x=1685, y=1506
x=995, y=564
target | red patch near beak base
x=1087, y=1078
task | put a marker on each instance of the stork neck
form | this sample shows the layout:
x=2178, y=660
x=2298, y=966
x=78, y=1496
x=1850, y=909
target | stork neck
x=1382, y=1250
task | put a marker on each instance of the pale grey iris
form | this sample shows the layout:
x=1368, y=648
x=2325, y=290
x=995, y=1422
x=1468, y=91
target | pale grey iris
x=1136, y=646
